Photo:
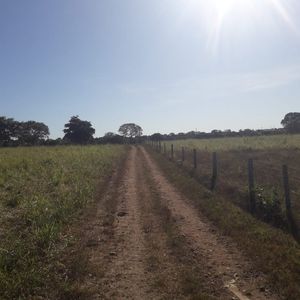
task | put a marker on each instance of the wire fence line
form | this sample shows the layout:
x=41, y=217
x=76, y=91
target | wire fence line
x=259, y=186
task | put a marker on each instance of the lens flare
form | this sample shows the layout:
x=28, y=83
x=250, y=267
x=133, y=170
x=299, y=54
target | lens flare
x=217, y=13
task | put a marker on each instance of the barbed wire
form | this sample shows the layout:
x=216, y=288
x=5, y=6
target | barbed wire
x=203, y=164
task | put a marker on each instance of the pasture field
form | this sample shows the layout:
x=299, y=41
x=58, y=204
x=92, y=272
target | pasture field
x=241, y=143
x=269, y=154
x=42, y=189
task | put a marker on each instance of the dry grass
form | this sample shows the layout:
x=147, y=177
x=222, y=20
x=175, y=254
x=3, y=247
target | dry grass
x=241, y=143
x=232, y=181
x=41, y=191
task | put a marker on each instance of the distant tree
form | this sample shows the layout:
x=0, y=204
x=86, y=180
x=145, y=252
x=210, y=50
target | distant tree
x=171, y=136
x=8, y=127
x=216, y=133
x=78, y=131
x=191, y=134
x=156, y=137
x=109, y=134
x=31, y=132
x=291, y=122
x=110, y=138
x=52, y=142
x=15, y=133
x=131, y=131
x=181, y=135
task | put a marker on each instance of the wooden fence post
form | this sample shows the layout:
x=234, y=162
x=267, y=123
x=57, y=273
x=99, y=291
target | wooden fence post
x=182, y=154
x=251, y=186
x=159, y=146
x=195, y=158
x=172, y=151
x=165, y=151
x=288, y=204
x=214, y=171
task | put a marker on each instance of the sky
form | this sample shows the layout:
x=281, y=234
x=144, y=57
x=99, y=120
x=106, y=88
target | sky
x=167, y=65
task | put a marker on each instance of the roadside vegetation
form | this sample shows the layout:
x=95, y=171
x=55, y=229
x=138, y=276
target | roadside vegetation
x=283, y=141
x=42, y=190
x=269, y=154
x=273, y=251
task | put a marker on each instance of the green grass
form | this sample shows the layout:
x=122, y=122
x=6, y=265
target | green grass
x=41, y=191
x=274, y=252
x=240, y=143
x=269, y=154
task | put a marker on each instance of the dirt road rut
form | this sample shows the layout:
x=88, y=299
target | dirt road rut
x=148, y=242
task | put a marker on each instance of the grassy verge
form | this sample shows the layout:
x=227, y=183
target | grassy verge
x=275, y=253
x=74, y=257
x=41, y=191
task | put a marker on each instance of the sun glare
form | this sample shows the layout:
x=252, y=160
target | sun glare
x=225, y=6
x=215, y=14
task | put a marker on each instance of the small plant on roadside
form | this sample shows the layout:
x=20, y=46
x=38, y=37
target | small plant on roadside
x=268, y=207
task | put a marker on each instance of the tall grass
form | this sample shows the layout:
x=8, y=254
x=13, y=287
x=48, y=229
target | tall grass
x=269, y=154
x=241, y=143
x=41, y=190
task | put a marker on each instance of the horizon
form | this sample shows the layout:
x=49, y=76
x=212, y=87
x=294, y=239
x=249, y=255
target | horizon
x=177, y=65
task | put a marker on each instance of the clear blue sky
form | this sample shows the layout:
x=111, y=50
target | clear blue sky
x=168, y=65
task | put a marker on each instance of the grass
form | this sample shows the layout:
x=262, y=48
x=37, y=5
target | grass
x=269, y=154
x=41, y=191
x=274, y=252
x=284, y=141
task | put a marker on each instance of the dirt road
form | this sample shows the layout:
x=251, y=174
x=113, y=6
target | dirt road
x=145, y=241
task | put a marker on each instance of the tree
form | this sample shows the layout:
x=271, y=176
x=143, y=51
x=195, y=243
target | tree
x=156, y=137
x=78, y=131
x=291, y=122
x=7, y=130
x=13, y=133
x=111, y=138
x=31, y=132
x=130, y=130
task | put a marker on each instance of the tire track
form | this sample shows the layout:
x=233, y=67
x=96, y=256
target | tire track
x=163, y=271
x=221, y=255
x=179, y=273
x=127, y=277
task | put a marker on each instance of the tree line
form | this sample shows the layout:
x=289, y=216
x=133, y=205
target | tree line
x=290, y=123
x=77, y=131
x=14, y=133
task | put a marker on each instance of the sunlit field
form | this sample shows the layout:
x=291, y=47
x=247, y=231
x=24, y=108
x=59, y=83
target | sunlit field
x=241, y=143
x=269, y=154
x=42, y=190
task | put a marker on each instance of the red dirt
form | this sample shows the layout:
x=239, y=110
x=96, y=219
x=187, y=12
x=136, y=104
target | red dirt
x=129, y=256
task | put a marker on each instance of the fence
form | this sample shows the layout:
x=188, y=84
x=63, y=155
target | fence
x=254, y=180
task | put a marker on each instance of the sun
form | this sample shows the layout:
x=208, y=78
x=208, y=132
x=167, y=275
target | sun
x=225, y=6
x=216, y=14
x=220, y=6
